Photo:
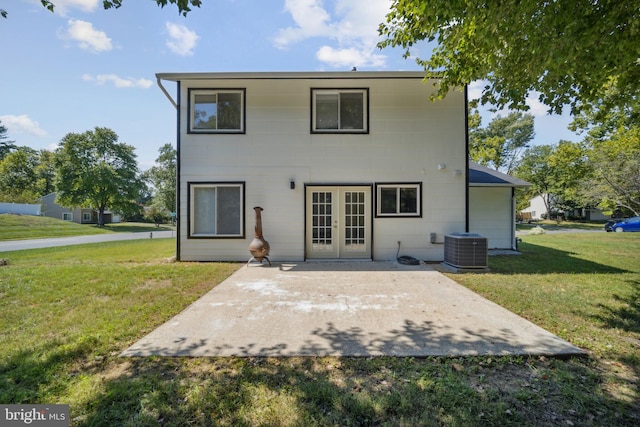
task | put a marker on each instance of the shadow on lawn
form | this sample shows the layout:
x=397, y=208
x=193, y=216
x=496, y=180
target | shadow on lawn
x=311, y=390
x=537, y=259
x=351, y=391
x=626, y=314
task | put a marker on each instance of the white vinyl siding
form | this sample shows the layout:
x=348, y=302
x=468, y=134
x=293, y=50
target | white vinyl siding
x=492, y=215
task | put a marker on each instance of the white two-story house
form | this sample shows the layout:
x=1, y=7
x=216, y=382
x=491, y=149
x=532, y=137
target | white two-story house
x=346, y=165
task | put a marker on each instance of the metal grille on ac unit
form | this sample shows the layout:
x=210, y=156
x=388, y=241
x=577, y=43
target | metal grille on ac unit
x=466, y=250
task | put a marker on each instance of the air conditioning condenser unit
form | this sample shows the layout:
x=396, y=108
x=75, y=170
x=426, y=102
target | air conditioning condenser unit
x=466, y=250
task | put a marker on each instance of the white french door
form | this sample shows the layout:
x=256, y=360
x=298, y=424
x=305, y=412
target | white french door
x=338, y=222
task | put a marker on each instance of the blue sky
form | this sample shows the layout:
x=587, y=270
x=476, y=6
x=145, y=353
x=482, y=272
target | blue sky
x=84, y=66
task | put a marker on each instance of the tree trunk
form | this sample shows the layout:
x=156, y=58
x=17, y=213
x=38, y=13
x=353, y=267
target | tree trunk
x=101, y=216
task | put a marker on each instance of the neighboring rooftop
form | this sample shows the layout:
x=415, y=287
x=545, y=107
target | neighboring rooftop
x=482, y=176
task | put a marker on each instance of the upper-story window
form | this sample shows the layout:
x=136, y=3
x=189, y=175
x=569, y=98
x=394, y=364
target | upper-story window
x=339, y=110
x=216, y=110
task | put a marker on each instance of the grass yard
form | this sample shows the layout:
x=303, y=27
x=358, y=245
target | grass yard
x=21, y=227
x=66, y=314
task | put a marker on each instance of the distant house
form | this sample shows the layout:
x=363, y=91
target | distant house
x=78, y=215
x=538, y=210
x=492, y=204
x=20, y=209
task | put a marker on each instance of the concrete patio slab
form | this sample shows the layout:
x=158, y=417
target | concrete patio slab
x=346, y=309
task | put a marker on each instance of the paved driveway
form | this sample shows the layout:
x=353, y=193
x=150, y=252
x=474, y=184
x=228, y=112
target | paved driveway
x=345, y=309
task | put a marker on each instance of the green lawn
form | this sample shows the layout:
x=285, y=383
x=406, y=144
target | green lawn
x=21, y=227
x=66, y=314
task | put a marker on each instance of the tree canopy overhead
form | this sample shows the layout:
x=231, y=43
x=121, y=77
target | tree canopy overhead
x=570, y=51
x=184, y=6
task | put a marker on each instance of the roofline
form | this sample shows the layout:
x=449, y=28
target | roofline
x=508, y=185
x=297, y=75
x=512, y=181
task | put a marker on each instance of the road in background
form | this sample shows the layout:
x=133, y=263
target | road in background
x=18, y=245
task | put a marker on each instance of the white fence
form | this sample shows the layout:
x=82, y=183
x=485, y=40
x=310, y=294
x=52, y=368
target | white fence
x=20, y=209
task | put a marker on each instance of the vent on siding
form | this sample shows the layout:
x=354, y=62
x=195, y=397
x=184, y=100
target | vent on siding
x=466, y=250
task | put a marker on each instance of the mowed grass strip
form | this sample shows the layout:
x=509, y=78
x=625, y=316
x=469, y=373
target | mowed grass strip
x=68, y=312
x=584, y=287
x=22, y=227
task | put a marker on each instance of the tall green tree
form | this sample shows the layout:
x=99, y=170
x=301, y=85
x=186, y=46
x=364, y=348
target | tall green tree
x=556, y=173
x=6, y=146
x=567, y=51
x=46, y=172
x=18, y=177
x=570, y=164
x=534, y=168
x=163, y=178
x=500, y=144
x=184, y=6
x=611, y=135
x=94, y=170
x=615, y=164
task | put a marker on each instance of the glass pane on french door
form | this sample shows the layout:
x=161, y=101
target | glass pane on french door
x=322, y=222
x=338, y=222
x=354, y=221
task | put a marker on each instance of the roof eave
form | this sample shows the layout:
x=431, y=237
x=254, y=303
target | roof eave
x=266, y=75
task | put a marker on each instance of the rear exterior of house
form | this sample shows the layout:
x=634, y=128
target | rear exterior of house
x=345, y=165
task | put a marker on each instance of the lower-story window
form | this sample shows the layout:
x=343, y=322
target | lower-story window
x=398, y=199
x=216, y=209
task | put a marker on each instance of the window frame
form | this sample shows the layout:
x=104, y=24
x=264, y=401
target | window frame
x=365, y=110
x=68, y=215
x=191, y=186
x=192, y=92
x=399, y=186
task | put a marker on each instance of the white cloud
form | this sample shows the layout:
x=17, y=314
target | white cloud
x=117, y=81
x=62, y=6
x=181, y=40
x=536, y=108
x=88, y=38
x=22, y=124
x=350, y=57
x=475, y=88
x=352, y=24
x=311, y=21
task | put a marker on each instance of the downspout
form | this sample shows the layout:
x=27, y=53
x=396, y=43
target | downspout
x=164, y=90
x=514, y=242
x=177, y=208
x=466, y=158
